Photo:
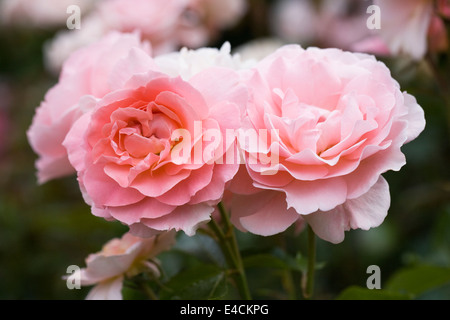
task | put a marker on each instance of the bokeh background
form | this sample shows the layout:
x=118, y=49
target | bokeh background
x=46, y=228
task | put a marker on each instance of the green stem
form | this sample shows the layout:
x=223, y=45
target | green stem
x=148, y=291
x=228, y=242
x=308, y=279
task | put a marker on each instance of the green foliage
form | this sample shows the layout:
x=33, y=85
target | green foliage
x=203, y=282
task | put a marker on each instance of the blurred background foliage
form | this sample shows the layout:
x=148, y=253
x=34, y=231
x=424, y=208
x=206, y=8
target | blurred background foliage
x=46, y=228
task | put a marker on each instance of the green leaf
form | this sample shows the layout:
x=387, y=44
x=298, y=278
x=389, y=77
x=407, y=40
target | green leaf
x=360, y=293
x=201, y=247
x=419, y=279
x=202, y=282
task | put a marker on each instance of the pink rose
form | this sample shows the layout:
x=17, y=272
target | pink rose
x=120, y=258
x=329, y=124
x=150, y=153
x=86, y=72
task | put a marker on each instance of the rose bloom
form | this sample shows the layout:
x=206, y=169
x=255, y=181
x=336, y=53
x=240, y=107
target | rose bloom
x=134, y=161
x=86, y=72
x=120, y=258
x=333, y=123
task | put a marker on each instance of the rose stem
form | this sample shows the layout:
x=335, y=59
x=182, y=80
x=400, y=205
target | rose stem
x=308, y=278
x=231, y=251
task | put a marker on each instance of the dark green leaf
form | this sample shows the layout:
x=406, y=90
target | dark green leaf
x=419, y=279
x=197, y=283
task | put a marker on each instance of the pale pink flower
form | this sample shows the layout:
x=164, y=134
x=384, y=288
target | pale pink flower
x=119, y=259
x=335, y=122
x=156, y=20
x=186, y=63
x=295, y=21
x=409, y=27
x=332, y=23
x=167, y=24
x=404, y=25
x=203, y=20
x=40, y=13
x=127, y=155
x=86, y=73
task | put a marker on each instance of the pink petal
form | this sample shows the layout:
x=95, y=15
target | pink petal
x=183, y=192
x=310, y=196
x=105, y=191
x=214, y=191
x=186, y=218
x=264, y=213
x=242, y=183
x=415, y=117
x=365, y=212
x=147, y=208
x=108, y=290
x=231, y=88
x=136, y=62
x=75, y=143
x=157, y=183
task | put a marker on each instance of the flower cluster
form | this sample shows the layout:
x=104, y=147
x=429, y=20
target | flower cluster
x=302, y=135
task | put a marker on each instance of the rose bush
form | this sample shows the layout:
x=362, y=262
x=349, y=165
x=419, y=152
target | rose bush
x=333, y=123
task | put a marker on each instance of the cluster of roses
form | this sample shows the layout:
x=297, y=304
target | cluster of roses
x=335, y=120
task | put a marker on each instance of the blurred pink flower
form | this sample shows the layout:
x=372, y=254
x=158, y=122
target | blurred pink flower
x=203, y=20
x=337, y=122
x=155, y=20
x=167, y=24
x=40, y=13
x=335, y=23
x=409, y=27
x=121, y=258
x=444, y=8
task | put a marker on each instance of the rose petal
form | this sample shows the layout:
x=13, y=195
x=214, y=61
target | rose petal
x=365, y=212
x=264, y=213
